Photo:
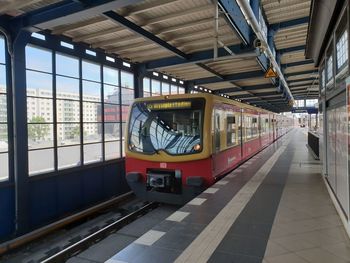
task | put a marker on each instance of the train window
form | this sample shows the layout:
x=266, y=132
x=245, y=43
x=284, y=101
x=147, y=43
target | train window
x=174, y=127
x=231, y=130
x=254, y=127
x=217, y=132
x=248, y=127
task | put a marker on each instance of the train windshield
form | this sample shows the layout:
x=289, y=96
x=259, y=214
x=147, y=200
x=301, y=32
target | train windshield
x=173, y=126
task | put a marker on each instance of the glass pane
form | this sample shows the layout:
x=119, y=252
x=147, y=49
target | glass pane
x=92, y=112
x=146, y=94
x=110, y=76
x=123, y=138
x=40, y=136
x=2, y=79
x=39, y=110
x=112, y=150
x=4, y=164
x=68, y=111
x=3, y=138
x=165, y=88
x=155, y=87
x=68, y=156
x=91, y=91
x=111, y=94
x=3, y=108
x=92, y=153
x=38, y=59
x=173, y=89
x=40, y=161
x=68, y=134
x=181, y=90
x=67, y=88
x=342, y=49
x=125, y=112
x=112, y=131
x=112, y=113
x=2, y=50
x=67, y=65
x=92, y=132
x=127, y=80
x=146, y=85
x=91, y=71
x=39, y=84
x=127, y=96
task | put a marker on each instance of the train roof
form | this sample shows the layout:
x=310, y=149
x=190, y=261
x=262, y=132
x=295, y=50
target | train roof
x=206, y=96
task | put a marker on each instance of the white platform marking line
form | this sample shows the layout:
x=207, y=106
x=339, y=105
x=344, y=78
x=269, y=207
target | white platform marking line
x=149, y=237
x=177, y=216
x=222, y=182
x=207, y=241
x=211, y=190
x=197, y=201
x=111, y=260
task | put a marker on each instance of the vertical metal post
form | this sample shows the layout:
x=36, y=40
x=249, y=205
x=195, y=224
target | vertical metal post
x=81, y=111
x=102, y=113
x=54, y=111
x=216, y=28
x=18, y=66
x=138, y=82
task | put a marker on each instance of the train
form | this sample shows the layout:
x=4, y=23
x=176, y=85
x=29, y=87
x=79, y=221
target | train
x=178, y=145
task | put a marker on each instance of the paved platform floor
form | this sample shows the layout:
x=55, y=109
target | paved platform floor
x=274, y=208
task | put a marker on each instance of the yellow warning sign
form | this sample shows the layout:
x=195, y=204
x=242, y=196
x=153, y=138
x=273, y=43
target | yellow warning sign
x=270, y=73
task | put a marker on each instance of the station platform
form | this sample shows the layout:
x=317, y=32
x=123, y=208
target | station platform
x=273, y=208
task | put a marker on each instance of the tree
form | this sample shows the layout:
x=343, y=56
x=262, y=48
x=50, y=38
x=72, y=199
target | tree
x=75, y=132
x=37, y=129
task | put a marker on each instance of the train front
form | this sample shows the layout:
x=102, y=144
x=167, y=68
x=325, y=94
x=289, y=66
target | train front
x=168, y=148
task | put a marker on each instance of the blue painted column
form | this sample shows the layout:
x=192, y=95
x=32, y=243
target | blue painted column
x=20, y=132
x=139, y=74
x=255, y=4
x=189, y=85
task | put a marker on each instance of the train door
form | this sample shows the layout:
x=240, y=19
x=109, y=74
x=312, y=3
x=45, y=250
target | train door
x=241, y=131
x=216, y=138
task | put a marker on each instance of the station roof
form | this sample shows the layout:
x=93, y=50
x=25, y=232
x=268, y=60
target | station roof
x=176, y=37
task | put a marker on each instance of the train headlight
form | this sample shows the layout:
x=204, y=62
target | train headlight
x=197, y=147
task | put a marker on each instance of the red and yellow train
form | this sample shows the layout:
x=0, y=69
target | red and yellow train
x=179, y=145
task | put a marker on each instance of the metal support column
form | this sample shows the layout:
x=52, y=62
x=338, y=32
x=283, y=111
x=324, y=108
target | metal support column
x=189, y=85
x=18, y=66
x=255, y=5
x=139, y=74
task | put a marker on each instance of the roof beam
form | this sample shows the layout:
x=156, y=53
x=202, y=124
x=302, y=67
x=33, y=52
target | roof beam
x=301, y=80
x=67, y=12
x=231, y=77
x=292, y=49
x=301, y=73
x=246, y=88
x=241, y=96
x=236, y=18
x=299, y=63
x=201, y=56
x=290, y=23
x=113, y=16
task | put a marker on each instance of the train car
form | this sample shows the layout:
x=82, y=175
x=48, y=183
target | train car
x=178, y=145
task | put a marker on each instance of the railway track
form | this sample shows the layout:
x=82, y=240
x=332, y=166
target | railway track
x=91, y=239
